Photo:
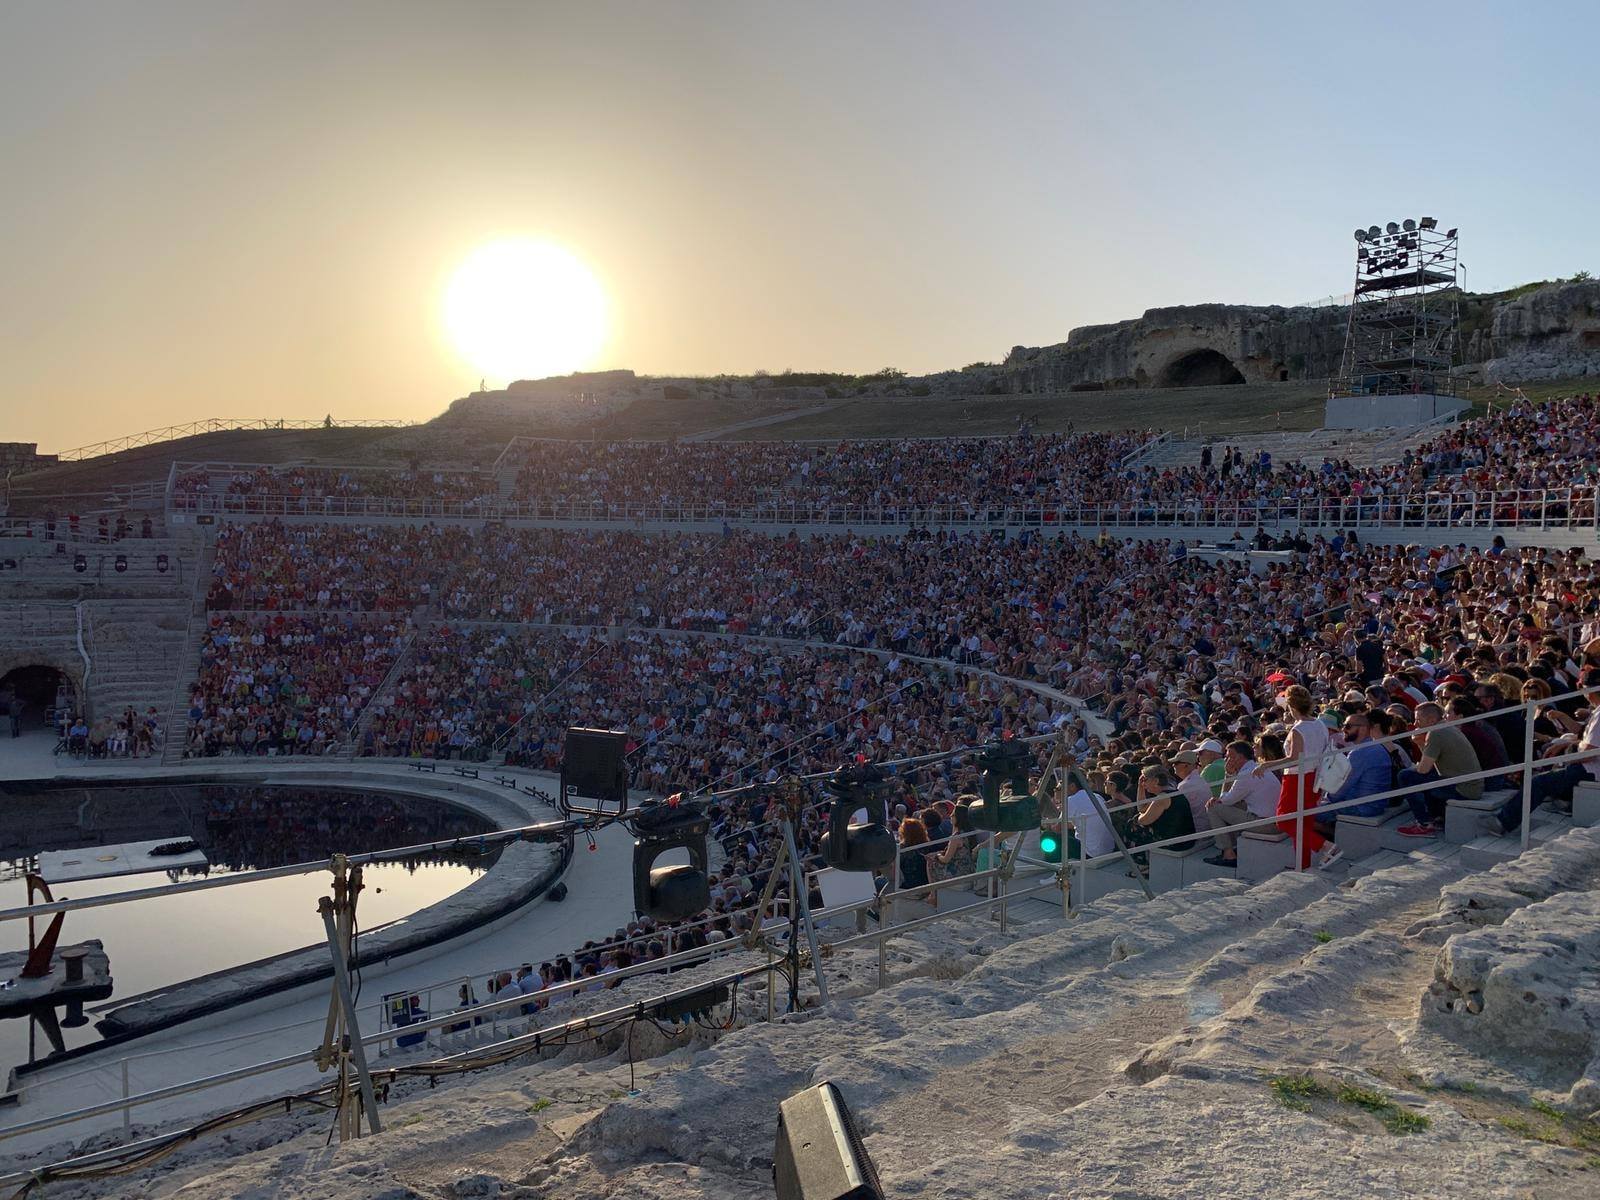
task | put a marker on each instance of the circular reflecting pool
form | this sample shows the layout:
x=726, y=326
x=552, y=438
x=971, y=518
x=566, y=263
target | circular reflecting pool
x=155, y=943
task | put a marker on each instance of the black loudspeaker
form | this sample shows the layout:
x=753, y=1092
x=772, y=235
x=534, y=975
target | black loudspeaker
x=594, y=772
x=819, y=1154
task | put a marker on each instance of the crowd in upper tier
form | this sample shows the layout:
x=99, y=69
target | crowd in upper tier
x=1499, y=468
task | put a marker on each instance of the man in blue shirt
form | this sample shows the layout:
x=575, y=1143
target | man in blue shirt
x=1371, y=773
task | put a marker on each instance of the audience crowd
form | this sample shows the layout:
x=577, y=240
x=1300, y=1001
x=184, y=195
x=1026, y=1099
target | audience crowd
x=1523, y=460
x=1223, y=688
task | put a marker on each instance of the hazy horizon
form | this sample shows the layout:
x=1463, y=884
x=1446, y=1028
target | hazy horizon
x=248, y=210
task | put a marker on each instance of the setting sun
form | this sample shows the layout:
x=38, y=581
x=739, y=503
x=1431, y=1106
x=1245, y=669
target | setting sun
x=524, y=309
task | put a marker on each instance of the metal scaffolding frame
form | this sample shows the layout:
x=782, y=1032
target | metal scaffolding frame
x=1405, y=312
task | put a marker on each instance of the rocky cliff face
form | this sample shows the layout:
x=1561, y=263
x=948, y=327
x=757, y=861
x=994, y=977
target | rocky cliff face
x=1550, y=333
x=1193, y=344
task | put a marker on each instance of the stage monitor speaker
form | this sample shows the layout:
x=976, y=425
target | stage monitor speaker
x=819, y=1154
x=594, y=773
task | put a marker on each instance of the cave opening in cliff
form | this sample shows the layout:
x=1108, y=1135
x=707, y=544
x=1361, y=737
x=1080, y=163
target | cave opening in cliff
x=1200, y=368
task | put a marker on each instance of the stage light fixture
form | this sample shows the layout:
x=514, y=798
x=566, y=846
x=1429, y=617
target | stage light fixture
x=678, y=892
x=1450, y=233
x=80, y=564
x=1361, y=235
x=1391, y=229
x=1429, y=223
x=161, y=564
x=867, y=846
x=1408, y=225
x=1373, y=233
x=1005, y=805
x=121, y=563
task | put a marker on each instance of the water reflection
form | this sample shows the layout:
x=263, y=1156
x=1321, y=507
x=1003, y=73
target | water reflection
x=156, y=943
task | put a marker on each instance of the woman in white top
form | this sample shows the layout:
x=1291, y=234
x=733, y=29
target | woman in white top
x=1308, y=740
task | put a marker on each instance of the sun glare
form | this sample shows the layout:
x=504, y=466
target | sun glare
x=522, y=309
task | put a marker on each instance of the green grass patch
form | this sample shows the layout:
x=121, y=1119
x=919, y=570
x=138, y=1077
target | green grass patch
x=1402, y=1121
x=539, y=1105
x=1297, y=1091
x=1324, y=936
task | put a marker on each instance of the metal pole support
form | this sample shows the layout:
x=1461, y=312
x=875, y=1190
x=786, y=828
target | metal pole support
x=1527, y=775
x=352, y=1030
x=802, y=897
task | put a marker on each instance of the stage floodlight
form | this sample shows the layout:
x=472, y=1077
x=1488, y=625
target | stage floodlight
x=162, y=564
x=80, y=564
x=673, y=893
x=1361, y=235
x=1408, y=225
x=1450, y=233
x=1430, y=223
x=1391, y=229
x=858, y=846
x=1005, y=805
x=121, y=564
x=1372, y=233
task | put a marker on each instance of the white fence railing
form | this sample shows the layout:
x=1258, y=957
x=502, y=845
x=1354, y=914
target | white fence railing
x=1524, y=508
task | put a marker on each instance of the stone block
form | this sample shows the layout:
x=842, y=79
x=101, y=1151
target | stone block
x=1586, y=804
x=1169, y=868
x=1360, y=837
x=1090, y=883
x=1264, y=853
x=1463, y=819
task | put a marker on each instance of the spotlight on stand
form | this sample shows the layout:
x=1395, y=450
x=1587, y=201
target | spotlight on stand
x=677, y=892
x=80, y=564
x=1006, y=804
x=1430, y=223
x=819, y=1154
x=1391, y=229
x=1361, y=235
x=121, y=563
x=162, y=565
x=1373, y=233
x=1409, y=225
x=865, y=846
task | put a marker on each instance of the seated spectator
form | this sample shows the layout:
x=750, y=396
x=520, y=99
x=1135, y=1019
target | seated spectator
x=1446, y=753
x=1252, y=796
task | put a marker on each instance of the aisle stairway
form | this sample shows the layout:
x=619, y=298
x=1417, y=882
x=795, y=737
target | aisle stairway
x=133, y=646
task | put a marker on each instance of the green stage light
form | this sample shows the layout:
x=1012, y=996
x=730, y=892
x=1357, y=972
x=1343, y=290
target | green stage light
x=1050, y=846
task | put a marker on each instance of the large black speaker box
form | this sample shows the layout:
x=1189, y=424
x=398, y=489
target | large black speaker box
x=819, y=1154
x=594, y=769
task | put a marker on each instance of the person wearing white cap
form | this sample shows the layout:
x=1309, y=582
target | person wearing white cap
x=1209, y=757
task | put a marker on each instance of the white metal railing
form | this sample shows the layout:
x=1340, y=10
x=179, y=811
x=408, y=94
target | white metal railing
x=1513, y=509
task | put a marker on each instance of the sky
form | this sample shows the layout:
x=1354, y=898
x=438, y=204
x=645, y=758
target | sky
x=247, y=210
